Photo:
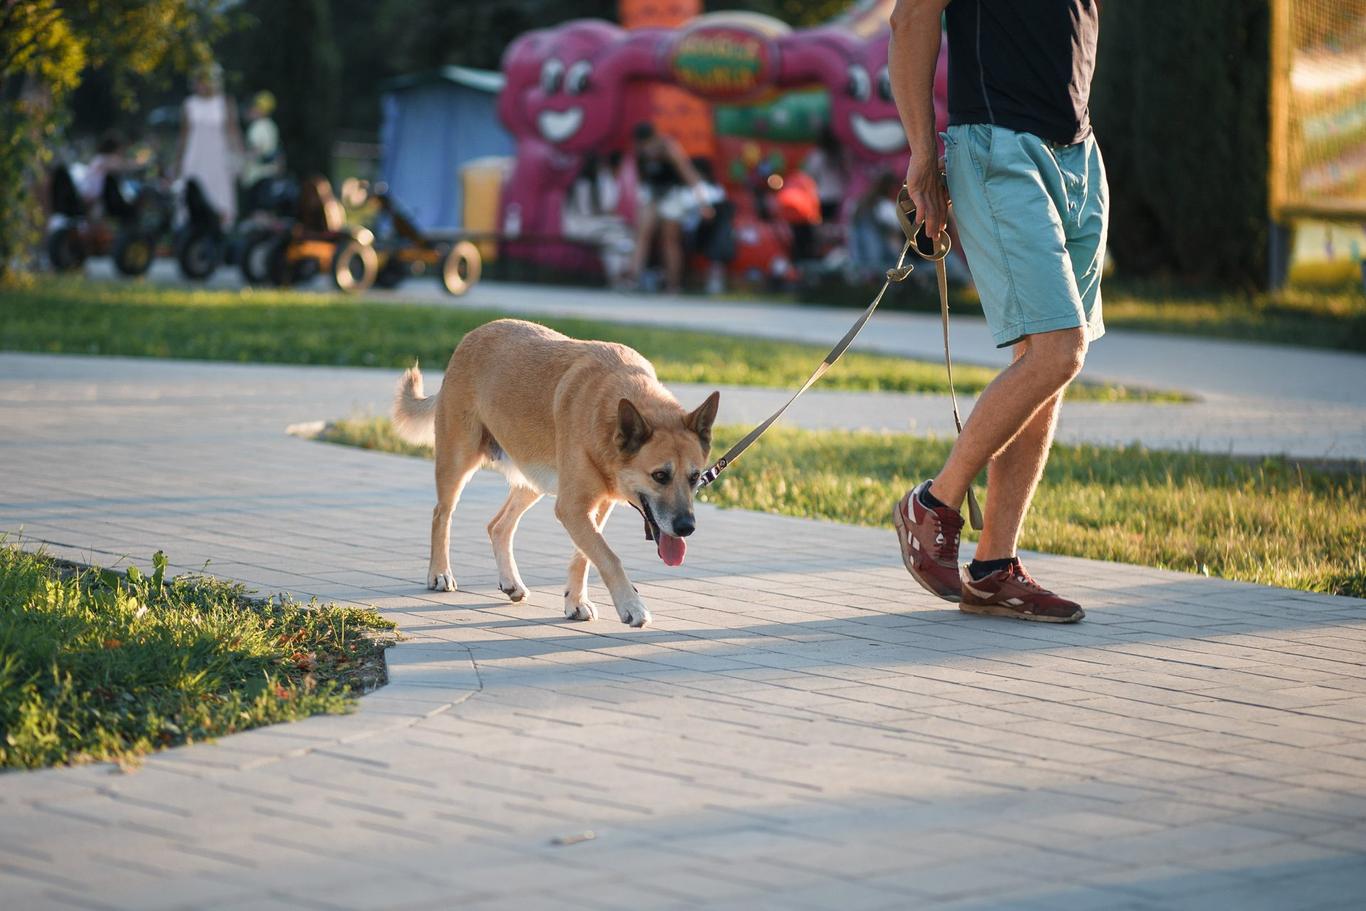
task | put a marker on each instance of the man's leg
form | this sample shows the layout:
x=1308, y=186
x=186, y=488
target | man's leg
x=1006, y=408
x=1012, y=476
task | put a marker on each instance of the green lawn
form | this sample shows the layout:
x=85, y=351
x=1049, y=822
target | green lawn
x=73, y=316
x=1269, y=521
x=98, y=665
x=1318, y=317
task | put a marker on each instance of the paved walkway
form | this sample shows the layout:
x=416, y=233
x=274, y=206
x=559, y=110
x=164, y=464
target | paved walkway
x=1254, y=399
x=802, y=729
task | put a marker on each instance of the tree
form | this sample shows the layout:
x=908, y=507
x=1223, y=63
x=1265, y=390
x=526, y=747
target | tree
x=1180, y=108
x=287, y=47
x=45, y=46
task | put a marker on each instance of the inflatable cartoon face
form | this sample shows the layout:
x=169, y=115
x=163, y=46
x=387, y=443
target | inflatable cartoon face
x=854, y=70
x=862, y=112
x=565, y=86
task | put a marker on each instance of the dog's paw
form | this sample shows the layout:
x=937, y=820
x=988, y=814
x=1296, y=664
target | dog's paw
x=515, y=590
x=633, y=613
x=441, y=581
x=579, y=608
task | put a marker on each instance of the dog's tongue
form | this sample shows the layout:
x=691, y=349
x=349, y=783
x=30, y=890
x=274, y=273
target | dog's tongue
x=671, y=549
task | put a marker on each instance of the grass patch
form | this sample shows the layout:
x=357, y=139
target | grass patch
x=1318, y=317
x=73, y=316
x=1271, y=521
x=98, y=665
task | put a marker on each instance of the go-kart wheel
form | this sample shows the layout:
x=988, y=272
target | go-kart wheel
x=279, y=269
x=65, y=250
x=133, y=252
x=354, y=266
x=199, y=254
x=460, y=269
x=254, y=258
x=391, y=274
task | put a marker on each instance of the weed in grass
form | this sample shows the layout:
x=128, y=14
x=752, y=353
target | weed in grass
x=78, y=317
x=100, y=665
x=1270, y=521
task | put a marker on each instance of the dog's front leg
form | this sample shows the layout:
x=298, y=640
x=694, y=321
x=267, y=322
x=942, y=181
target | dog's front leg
x=578, y=519
x=577, y=605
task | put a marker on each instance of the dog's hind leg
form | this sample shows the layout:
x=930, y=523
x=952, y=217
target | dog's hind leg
x=453, y=471
x=501, y=530
x=576, y=603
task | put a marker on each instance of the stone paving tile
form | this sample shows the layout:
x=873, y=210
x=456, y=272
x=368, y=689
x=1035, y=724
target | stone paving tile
x=772, y=742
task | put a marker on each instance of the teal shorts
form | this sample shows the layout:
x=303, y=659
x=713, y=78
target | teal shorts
x=1032, y=217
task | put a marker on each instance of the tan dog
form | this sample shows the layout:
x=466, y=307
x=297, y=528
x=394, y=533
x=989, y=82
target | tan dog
x=586, y=421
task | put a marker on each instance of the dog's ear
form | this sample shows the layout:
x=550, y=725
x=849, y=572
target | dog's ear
x=700, y=421
x=633, y=431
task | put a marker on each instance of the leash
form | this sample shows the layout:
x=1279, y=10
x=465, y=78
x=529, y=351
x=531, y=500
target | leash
x=934, y=251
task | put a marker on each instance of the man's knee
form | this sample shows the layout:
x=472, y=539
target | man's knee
x=1060, y=353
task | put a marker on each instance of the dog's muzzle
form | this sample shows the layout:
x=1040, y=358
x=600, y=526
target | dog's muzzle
x=671, y=548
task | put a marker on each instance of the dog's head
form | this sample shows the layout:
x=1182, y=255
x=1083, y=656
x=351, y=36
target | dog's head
x=659, y=468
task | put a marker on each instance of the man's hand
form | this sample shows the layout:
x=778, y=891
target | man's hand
x=928, y=194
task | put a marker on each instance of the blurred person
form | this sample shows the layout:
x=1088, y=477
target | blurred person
x=875, y=237
x=263, y=159
x=210, y=140
x=1030, y=197
x=590, y=215
x=712, y=236
x=828, y=165
x=797, y=202
x=109, y=161
x=668, y=187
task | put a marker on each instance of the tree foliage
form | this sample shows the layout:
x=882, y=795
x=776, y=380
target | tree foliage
x=45, y=46
x=1180, y=108
x=288, y=48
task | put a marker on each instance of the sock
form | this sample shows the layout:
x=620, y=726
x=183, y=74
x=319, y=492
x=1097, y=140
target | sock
x=929, y=500
x=980, y=569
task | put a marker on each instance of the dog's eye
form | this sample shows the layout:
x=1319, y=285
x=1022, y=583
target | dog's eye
x=661, y=477
x=692, y=478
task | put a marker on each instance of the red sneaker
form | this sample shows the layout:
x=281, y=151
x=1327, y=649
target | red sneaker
x=1012, y=592
x=929, y=544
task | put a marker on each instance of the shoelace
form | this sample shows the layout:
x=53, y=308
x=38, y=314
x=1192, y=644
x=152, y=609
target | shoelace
x=950, y=527
x=1022, y=575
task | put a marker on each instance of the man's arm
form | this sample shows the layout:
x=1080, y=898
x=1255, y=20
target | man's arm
x=911, y=60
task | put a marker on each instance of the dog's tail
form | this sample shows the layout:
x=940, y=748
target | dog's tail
x=414, y=414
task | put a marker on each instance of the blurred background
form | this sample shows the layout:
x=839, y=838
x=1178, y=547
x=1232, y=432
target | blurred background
x=1234, y=133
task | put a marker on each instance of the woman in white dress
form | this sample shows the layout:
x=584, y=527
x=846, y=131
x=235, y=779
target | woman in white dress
x=211, y=143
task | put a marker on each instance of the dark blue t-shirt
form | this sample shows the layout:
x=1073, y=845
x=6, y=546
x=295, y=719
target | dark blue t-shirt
x=1023, y=64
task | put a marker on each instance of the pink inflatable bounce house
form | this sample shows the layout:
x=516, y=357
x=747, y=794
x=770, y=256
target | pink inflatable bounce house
x=576, y=90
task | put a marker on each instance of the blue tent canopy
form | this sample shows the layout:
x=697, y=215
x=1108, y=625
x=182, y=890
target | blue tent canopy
x=431, y=124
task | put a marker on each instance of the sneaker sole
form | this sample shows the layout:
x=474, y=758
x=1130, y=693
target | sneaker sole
x=905, y=548
x=1000, y=610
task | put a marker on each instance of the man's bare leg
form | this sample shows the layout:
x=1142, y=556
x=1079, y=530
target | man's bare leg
x=1043, y=367
x=1012, y=476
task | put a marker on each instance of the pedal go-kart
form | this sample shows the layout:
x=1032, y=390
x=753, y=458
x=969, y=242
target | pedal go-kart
x=136, y=215
x=318, y=240
x=200, y=242
x=405, y=251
